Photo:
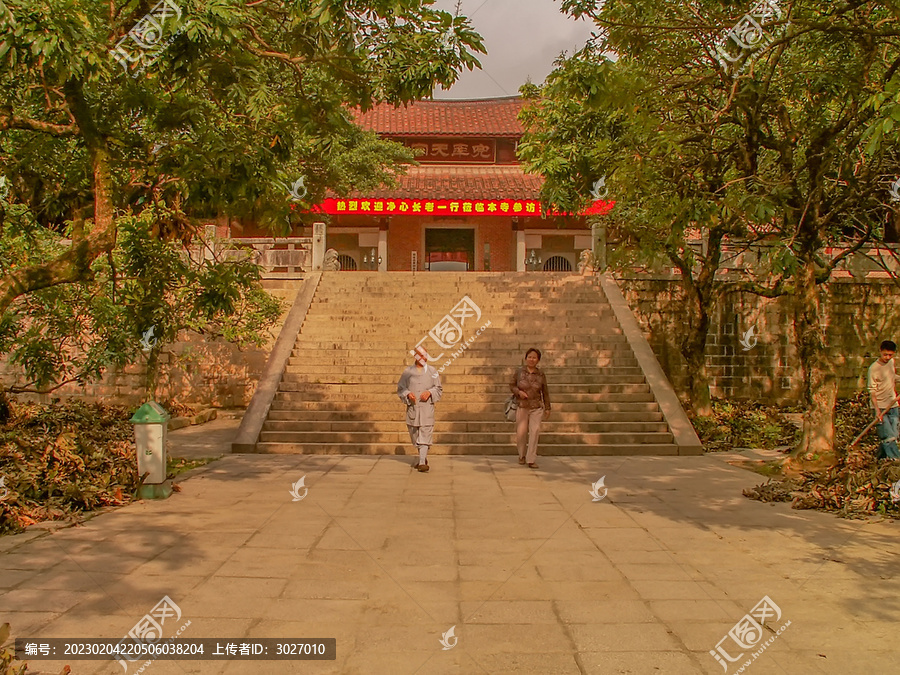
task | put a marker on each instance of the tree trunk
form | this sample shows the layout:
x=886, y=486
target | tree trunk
x=816, y=448
x=700, y=297
x=693, y=349
x=151, y=374
x=5, y=409
x=74, y=264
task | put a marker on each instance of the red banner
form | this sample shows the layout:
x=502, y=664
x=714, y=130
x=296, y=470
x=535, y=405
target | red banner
x=448, y=207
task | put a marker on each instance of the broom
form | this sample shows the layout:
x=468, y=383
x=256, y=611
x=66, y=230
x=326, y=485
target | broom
x=872, y=424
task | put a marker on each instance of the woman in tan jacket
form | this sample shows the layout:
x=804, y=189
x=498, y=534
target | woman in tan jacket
x=529, y=385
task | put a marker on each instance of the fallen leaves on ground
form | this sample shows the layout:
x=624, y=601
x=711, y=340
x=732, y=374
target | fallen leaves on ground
x=858, y=486
x=62, y=459
x=745, y=424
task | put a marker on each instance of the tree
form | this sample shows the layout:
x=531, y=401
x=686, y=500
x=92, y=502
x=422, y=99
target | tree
x=245, y=95
x=595, y=121
x=189, y=110
x=773, y=137
x=138, y=300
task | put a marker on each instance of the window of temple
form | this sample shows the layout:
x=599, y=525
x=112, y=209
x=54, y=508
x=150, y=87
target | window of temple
x=557, y=264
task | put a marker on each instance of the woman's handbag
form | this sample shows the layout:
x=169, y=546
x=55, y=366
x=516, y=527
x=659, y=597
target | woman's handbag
x=512, y=404
x=512, y=407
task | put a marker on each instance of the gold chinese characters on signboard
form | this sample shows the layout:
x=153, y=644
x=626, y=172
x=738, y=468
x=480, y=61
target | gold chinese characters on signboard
x=444, y=150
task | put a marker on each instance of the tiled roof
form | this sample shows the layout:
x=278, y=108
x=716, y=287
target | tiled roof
x=481, y=117
x=463, y=182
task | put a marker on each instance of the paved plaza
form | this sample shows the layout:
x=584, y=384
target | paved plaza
x=534, y=576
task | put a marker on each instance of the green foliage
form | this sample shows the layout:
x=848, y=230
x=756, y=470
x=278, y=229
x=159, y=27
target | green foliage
x=247, y=97
x=9, y=665
x=179, y=465
x=739, y=424
x=886, y=105
x=108, y=164
x=776, y=150
x=76, y=332
x=786, y=153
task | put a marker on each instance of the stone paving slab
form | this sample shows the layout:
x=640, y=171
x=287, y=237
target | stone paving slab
x=532, y=574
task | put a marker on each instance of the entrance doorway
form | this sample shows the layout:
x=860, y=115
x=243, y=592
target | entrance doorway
x=449, y=250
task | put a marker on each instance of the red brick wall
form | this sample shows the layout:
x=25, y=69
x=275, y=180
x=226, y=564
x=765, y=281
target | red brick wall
x=404, y=235
x=498, y=233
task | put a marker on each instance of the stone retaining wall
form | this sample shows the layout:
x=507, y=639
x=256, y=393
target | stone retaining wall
x=858, y=316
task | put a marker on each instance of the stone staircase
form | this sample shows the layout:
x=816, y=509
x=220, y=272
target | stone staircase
x=338, y=390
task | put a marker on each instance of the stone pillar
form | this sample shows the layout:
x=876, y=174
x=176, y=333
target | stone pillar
x=598, y=234
x=382, y=250
x=520, y=250
x=318, y=246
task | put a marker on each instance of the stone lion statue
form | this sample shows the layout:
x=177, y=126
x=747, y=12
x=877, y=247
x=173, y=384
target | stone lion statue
x=586, y=265
x=331, y=262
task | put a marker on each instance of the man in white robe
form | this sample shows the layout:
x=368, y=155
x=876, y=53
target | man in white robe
x=420, y=388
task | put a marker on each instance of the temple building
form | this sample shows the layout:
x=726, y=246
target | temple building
x=468, y=206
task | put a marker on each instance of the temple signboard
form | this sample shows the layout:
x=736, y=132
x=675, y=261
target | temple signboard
x=449, y=150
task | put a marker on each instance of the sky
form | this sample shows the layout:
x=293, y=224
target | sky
x=522, y=37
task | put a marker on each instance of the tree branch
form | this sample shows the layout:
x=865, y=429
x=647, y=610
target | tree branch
x=15, y=122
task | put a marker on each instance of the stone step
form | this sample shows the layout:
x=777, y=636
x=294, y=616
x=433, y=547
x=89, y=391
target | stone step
x=430, y=311
x=558, y=309
x=461, y=369
x=462, y=386
x=619, y=355
x=315, y=415
x=362, y=334
x=453, y=383
x=455, y=427
x=373, y=391
x=358, y=277
x=338, y=392
x=587, y=325
x=545, y=450
x=498, y=438
x=515, y=345
x=319, y=363
x=448, y=410
x=413, y=308
x=352, y=375
x=437, y=299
